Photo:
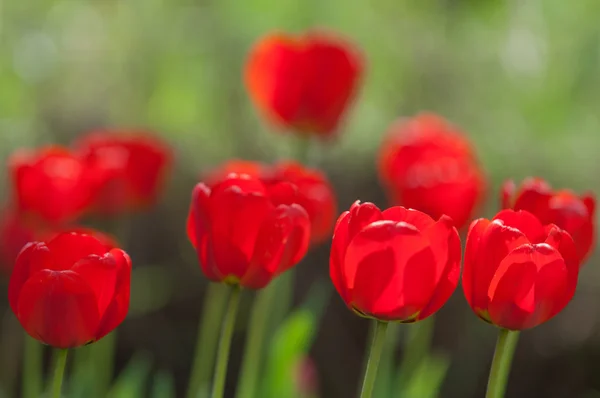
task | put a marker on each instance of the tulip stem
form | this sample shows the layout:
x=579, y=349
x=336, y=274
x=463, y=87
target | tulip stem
x=252, y=360
x=218, y=387
x=32, y=368
x=59, y=372
x=505, y=349
x=374, y=356
x=206, y=345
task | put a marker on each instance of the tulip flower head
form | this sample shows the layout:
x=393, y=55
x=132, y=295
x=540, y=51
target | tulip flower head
x=303, y=83
x=314, y=191
x=70, y=291
x=394, y=265
x=427, y=164
x=50, y=184
x=246, y=232
x=518, y=273
x=128, y=169
x=569, y=211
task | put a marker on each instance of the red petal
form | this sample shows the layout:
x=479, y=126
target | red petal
x=70, y=247
x=533, y=196
x=235, y=219
x=281, y=243
x=359, y=216
x=33, y=255
x=445, y=244
x=117, y=310
x=529, y=283
x=100, y=273
x=474, y=236
x=497, y=241
x=563, y=243
x=198, y=230
x=411, y=216
x=589, y=201
x=58, y=308
x=525, y=222
x=390, y=271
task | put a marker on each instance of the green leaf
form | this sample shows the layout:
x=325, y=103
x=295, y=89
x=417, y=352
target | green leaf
x=163, y=386
x=428, y=377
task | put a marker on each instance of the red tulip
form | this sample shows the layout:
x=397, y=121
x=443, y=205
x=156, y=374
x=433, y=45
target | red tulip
x=303, y=83
x=129, y=169
x=108, y=241
x=50, y=184
x=395, y=265
x=573, y=213
x=70, y=291
x=518, y=273
x=15, y=233
x=426, y=164
x=246, y=232
x=314, y=193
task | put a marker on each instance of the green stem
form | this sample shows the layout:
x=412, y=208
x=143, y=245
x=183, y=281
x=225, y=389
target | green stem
x=218, y=387
x=208, y=335
x=505, y=349
x=416, y=349
x=252, y=362
x=302, y=148
x=374, y=356
x=32, y=368
x=59, y=372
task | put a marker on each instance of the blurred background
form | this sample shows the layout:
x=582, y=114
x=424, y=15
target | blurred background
x=522, y=79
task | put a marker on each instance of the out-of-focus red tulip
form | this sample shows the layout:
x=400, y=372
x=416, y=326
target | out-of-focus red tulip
x=50, y=184
x=303, y=83
x=518, y=273
x=128, y=169
x=70, y=291
x=427, y=164
x=395, y=265
x=315, y=193
x=246, y=232
x=15, y=233
x=573, y=213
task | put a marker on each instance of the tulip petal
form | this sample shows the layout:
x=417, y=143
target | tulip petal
x=524, y=290
x=235, y=219
x=58, y=308
x=281, y=243
x=119, y=306
x=523, y=221
x=445, y=244
x=33, y=254
x=100, y=273
x=411, y=216
x=390, y=270
x=474, y=236
x=507, y=192
x=69, y=247
x=497, y=241
x=359, y=216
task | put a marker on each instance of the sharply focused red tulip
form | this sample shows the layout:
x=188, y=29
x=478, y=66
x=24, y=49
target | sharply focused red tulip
x=246, y=232
x=314, y=193
x=395, y=265
x=518, y=273
x=573, y=213
x=427, y=164
x=15, y=233
x=128, y=168
x=303, y=83
x=50, y=184
x=70, y=291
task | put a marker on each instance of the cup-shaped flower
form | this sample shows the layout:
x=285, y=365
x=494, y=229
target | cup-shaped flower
x=50, y=184
x=70, y=291
x=128, y=169
x=518, y=273
x=569, y=211
x=246, y=232
x=303, y=83
x=427, y=164
x=315, y=193
x=396, y=265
